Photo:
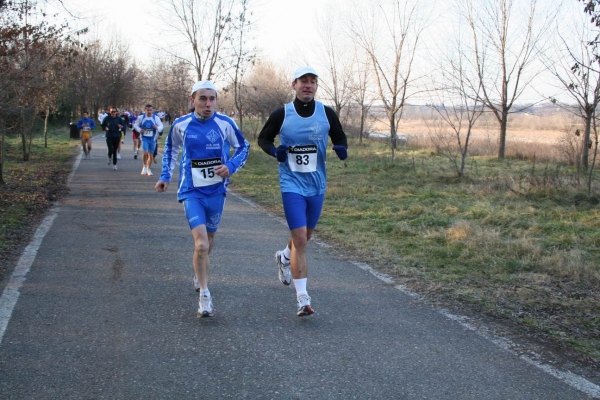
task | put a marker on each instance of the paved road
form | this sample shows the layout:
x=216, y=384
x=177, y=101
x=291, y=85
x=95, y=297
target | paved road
x=107, y=311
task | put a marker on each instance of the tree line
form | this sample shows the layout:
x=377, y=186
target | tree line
x=374, y=54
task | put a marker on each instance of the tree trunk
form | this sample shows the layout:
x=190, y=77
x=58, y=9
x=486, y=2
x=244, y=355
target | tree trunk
x=585, y=153
x=2, y=150
x=502, y=135
x=46, y=127
x=23, y=137
x=363, y=117
x=393, y=136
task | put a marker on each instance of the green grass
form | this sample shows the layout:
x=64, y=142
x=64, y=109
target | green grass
x=500, y=238
x=31, y=186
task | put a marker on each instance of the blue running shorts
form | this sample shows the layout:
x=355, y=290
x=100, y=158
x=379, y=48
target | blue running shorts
x=301, y=210
x=148, y=145
x=205, y=211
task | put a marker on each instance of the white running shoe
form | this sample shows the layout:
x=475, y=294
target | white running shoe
x=149, y=172
x=285, y=272
x=195, y=283
x=144, y=170
x=205, y=307
x=118, y=156
x=304, y=307
x=115, y=167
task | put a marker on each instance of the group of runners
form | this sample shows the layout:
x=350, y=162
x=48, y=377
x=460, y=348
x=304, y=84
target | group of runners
x=146, y=129
x=213, y=148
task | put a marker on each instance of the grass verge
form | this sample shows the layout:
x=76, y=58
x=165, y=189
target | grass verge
x=31, y=187
x=514, y=240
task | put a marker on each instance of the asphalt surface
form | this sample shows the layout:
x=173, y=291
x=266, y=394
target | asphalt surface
x=107, y=311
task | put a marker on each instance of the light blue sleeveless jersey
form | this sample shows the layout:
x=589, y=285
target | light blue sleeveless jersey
x=304, y=172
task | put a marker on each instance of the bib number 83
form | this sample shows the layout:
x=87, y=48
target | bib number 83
x=303, y=158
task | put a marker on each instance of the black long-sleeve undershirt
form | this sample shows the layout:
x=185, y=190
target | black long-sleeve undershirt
x=266, y=138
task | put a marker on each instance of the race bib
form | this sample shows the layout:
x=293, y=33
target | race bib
x=303, y=158
x=86, y=128
x=148, y=133
x=203, y=172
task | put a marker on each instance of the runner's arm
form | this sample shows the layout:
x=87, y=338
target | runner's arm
x=266, y=137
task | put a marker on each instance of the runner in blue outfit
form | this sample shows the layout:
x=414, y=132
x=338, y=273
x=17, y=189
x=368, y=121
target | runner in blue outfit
x=86, y=125
x=206, y=139
x=150, y=128
x=304, y=127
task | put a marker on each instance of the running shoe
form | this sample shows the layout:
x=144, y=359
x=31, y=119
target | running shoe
x=154, y=158
x=205, y=307
x=118, y=156
x=144, y=170
x=115, y=167
x=285, y=273
x=149, y=172
x=135, y=156
x=108, y=162
x=304, y=307
x=195, y=283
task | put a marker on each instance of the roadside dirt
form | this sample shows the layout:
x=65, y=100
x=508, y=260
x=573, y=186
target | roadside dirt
x=34, y=187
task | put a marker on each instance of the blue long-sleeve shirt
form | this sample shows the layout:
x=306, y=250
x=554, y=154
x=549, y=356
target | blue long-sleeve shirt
x=204, y=145
x=86, y=121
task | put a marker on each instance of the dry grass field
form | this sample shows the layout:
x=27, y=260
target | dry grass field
x=542, y=133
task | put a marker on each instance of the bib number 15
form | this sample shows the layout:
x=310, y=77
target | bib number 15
x=203, y=172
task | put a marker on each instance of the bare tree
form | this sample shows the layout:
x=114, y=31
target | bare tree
x=29, y=45
x=389, y=33
x=578, y=72
x=207, y=26
x=337, y=59
x=242, y=59
x=359, y=84
x=506, y=39
x=165, y=83
x=459, y=105
x=266, y=88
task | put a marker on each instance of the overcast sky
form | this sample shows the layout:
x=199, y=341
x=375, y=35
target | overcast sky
x=285, y=30
x=279, y=26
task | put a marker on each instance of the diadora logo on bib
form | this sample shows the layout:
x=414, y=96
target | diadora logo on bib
x=316, y=132
x=213, y=137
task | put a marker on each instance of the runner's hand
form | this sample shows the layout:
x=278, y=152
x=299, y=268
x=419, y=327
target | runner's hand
x=161, y=186
x=281, y=153
x=341, y=152
x=222, y=171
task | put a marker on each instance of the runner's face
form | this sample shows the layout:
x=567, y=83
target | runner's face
x=306, y=87
x=148, y=111
x=205, y=102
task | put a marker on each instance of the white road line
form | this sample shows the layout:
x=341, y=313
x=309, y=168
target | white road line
x=10, y=295
x=11, y=292
x=571, y=379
